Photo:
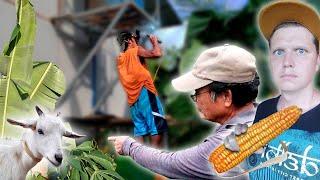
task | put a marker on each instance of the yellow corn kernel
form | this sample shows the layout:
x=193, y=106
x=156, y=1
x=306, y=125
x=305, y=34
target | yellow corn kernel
x=256, y=137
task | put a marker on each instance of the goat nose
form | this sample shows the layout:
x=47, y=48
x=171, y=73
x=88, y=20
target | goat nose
x=58, y=157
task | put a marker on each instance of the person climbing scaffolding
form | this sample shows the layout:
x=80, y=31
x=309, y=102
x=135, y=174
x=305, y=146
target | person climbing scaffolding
x=145, y=107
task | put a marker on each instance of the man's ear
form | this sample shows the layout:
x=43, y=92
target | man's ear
x=227, y=96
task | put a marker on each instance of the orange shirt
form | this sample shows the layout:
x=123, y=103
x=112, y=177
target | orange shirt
x=133, y=75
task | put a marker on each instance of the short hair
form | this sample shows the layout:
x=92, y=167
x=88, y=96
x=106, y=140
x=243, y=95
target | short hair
x=242, y=93
x=124, y=36
x=294, y=24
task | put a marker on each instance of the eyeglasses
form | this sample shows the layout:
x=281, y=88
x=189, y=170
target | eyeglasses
x=194, y=96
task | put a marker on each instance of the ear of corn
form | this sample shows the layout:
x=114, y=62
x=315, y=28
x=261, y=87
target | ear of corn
x=256, y=137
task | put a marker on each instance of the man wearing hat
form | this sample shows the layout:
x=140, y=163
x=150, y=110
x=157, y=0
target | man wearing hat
x=292, y=29
x=145, y=107
x=226, y=84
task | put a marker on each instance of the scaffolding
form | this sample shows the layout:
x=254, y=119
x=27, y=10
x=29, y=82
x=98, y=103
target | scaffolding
x=104, y=21
x=101, y=22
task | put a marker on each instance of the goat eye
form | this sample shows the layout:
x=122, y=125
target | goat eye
x=40, y=132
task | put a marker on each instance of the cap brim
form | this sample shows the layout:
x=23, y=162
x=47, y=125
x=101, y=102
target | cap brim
x=286, y=11
x=188, y=82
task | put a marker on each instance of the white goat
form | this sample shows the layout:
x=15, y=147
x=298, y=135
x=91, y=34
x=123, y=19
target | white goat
x=42, y=138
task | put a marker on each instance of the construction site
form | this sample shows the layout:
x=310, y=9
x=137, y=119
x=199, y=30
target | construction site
x=80, y=37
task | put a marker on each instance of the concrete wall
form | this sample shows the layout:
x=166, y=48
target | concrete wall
x=50, y=46
x=116, y=101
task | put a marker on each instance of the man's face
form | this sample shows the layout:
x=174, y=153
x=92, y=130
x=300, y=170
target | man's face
x=209, y=108
x=132, y=42
x=293, y=58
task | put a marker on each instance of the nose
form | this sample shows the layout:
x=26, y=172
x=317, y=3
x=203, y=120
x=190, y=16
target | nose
x=288, y=61
x=58, y=157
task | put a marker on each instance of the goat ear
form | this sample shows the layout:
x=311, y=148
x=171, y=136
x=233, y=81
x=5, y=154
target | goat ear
x=72, y=135
x=22, y=124
x=39, y=111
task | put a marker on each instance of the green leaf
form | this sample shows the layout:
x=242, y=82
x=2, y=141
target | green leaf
x=75, y=163
x=103, y=162
x=75, y=174
x=4, y=61
x=15, y=37
x=105, y=176
x=100, y=154
x=90, y=162
x=23, y=93
x=63, y=172
x=47, y=85
x=198, y=22
x=89, y=170
x=84, y=175
x=22, y=41
x=190, y=55
x=19, y=62
x=86, y=146
x=111, y=173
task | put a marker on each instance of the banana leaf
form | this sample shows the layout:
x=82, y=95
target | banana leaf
x=24, y=83
x=21, y=45
x=17, y=58
x=47, y=85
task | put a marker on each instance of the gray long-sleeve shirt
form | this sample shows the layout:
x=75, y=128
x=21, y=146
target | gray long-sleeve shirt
x=191, y=163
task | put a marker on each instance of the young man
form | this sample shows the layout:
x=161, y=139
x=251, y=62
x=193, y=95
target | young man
x=145, y=107
x=292, y=29
x=226, y=84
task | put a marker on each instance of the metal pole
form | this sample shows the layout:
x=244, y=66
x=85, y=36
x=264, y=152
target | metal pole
x=92, y=52
x=157, y=12
x=87, y=13
x=104, y=96
x=145, y=14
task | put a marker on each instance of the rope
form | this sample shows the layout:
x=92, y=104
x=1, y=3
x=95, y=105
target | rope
x=156, y=73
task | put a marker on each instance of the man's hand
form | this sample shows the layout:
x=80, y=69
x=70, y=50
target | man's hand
x=230, y=141
x=153, y=39
x=118, y=142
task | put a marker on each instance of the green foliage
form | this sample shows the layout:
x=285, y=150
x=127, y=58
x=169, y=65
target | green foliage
x=189, y=55
x=86, y=162
x=24, y=83
x=36, y=176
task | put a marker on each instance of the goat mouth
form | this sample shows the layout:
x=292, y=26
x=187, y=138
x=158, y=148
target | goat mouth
x=54, y=163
